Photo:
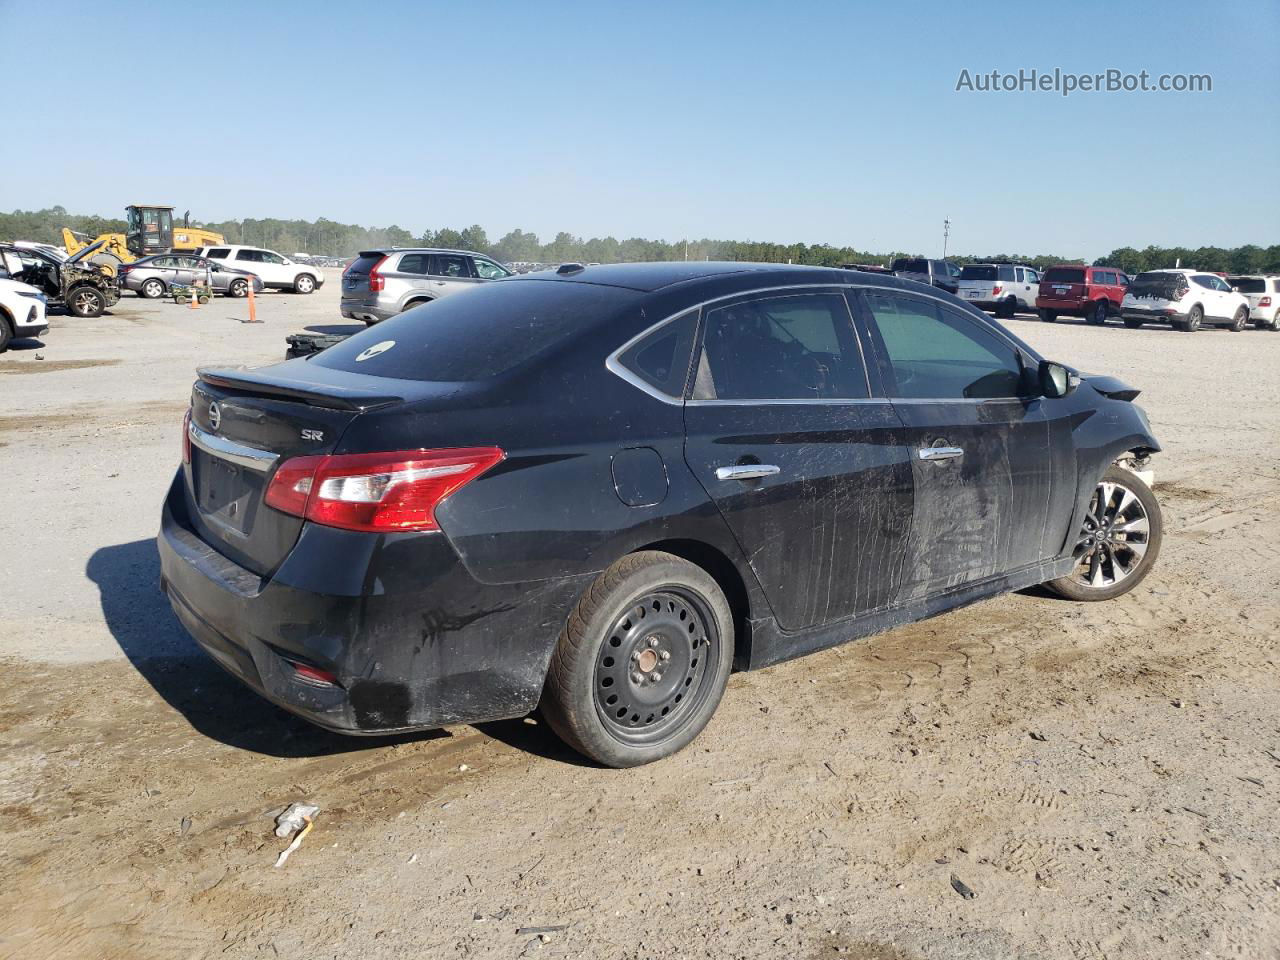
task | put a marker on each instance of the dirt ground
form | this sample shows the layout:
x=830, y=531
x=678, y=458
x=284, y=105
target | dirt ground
x=1103, y=777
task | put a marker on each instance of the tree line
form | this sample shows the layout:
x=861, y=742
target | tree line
x=329, y=238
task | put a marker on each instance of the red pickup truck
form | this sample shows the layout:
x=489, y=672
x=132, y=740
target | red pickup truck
x=1079, y=291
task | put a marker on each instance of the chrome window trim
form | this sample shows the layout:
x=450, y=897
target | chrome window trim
x=252, y=458
x=615, y=366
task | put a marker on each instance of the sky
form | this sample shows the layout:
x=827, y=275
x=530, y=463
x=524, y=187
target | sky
x=817, y=122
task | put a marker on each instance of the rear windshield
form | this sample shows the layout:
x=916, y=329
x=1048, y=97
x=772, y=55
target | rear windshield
x=911, y=266
x=1248, y=284
x=1063, y=275
x=364, y=263
x=978, y=272
x=479, y=333
x=1160, y=285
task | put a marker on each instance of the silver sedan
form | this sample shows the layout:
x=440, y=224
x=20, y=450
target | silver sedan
x=154, y=276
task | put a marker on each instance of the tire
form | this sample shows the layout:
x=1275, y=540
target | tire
x=1193, y=321
x=86, y=302
x=632, y=679
x=1275, y=322
x=304, y=283
x=238, y=288
x=152, y=289
x=1098, y=314
x=1239, y=320
x=6, y=333
x=1005, y=309
x=108, y=260
x=1048, y=316
x=1107, y=567
x=1132, y=324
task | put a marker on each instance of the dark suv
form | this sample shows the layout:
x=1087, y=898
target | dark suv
x=84, y=288
x=938, y=273
x=1076, y=290
x=598, y=489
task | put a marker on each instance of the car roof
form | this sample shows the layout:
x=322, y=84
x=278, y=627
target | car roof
x=649, y=277
x=387, y=251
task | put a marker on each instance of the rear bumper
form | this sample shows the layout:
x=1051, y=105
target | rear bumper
x=413, y=639
x=1073, y=308
x=1151, y=316
x=366, y=310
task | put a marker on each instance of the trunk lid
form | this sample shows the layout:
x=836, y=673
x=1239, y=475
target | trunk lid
x=1064, y=284
x=244, y=425
x=355, y=279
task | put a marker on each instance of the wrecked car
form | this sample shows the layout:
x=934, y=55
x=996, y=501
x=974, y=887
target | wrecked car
x=598, y=490
x=84, y=288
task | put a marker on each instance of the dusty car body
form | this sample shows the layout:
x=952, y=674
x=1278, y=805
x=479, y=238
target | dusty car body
x=599, y=489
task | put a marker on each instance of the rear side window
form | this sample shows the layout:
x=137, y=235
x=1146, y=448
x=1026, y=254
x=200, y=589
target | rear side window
x=217, y=253
x=414, y=263
x=1005, y=274
x=491, y=330
x=662, y=358
x=1063, y=275
x=249, y=256
x=780, y=348
x=979, y=272
x=937, y=354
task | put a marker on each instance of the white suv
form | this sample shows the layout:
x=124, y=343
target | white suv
x=1263, y=294
x=1185, y=299
x=22, y=311
x=277, y=271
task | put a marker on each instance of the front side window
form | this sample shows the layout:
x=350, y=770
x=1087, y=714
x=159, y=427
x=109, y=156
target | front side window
x=266, y=256
x=934, y=353
x=450, y=265
x=488, y=270
x=780, y=348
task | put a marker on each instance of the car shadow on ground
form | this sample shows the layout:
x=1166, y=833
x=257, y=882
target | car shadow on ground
x=26, y=343
x=214, y=703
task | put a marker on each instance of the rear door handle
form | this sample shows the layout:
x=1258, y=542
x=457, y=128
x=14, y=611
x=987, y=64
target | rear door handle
x=940, y=453
x=747, y=471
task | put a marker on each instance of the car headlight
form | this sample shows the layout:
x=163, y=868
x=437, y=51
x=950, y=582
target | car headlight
x=34, y=295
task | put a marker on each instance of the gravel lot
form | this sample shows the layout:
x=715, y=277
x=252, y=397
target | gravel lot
x=1104, y=777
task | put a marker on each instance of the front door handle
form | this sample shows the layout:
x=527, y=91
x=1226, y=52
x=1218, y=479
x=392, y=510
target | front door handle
x=940, y=453
x=747, y=471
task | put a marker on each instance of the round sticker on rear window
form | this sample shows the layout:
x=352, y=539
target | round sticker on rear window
x=376, y=349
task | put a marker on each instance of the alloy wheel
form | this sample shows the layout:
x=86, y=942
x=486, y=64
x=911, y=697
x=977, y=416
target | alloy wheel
x=656, y=666
x=1113, y=539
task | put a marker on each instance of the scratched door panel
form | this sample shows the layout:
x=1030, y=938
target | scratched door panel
x=826, y=536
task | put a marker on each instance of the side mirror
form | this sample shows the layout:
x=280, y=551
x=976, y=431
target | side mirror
x=1056, y=380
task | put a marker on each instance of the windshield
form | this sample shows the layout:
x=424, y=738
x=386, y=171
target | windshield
x=479, y=334
x=1248, y=284
x=978, y=272
x=1063, y=275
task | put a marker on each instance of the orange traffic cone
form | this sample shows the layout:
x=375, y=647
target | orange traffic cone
x=253, y=308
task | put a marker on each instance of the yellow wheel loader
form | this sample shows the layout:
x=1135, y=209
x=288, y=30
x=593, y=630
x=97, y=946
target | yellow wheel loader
x=150, y=230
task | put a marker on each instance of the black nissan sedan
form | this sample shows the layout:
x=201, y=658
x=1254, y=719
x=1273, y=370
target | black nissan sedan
x=598, y=490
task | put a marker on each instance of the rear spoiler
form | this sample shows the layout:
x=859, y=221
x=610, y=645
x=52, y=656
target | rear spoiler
x=316, y=393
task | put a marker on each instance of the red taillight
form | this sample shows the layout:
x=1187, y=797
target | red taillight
x=376, y=492
x=313, y=675
x=995, y=291
x=1264, y=302
x=376, y=280
x=186, y=436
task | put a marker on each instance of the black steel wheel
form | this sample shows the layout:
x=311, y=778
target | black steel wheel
x=1118, y=542
x=643, y=661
